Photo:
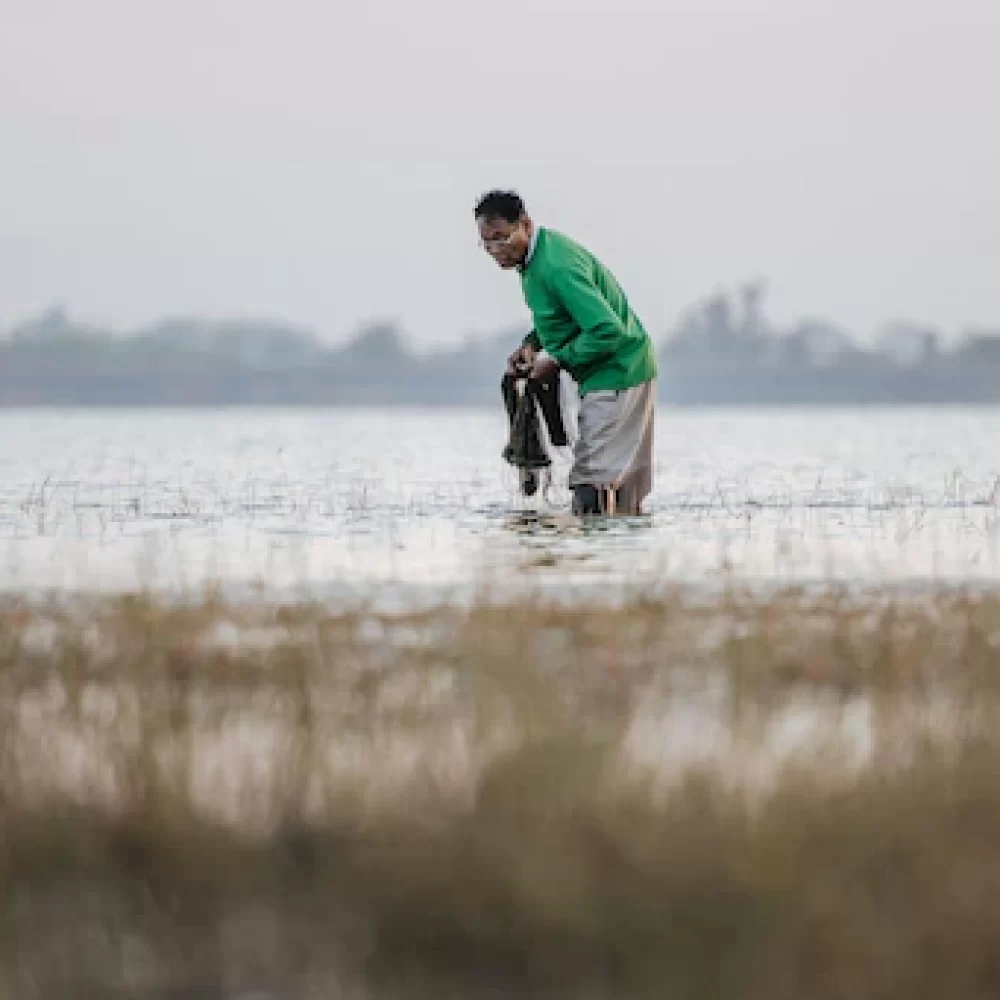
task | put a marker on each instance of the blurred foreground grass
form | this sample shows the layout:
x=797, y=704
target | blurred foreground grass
x=790, y=797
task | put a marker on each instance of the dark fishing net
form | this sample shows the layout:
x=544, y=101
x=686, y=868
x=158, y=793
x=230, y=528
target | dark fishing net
x=530, y=402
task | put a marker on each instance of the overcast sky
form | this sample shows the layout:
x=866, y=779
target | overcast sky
x=317, y=161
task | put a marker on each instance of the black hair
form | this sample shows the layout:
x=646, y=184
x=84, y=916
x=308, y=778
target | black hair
x=506, y=205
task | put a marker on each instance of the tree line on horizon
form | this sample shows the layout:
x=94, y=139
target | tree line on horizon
x=724, y=349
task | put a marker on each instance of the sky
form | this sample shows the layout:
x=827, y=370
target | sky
x=317, y=162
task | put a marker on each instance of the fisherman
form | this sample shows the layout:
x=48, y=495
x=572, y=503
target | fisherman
x=583, y=325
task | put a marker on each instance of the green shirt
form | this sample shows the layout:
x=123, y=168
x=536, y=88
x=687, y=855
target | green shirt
x=582, y=318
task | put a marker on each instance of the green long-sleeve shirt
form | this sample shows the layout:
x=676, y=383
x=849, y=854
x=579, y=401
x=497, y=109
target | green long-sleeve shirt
x=582, y=317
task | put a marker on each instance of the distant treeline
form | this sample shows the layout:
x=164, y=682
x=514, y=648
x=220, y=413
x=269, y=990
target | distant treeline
x=722, y=351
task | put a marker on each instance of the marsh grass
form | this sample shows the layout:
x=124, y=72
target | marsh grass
x=731, y=797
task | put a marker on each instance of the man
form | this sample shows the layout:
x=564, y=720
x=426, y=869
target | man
x=584, y=325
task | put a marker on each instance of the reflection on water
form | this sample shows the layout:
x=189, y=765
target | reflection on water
x=339, y=500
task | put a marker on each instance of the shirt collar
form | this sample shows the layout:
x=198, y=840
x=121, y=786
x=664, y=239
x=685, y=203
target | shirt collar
x=531, y=246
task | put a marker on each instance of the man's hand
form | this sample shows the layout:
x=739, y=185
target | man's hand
x=544, y=369
x=523, y=357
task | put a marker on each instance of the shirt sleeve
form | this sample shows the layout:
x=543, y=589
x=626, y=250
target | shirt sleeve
x=601, y=330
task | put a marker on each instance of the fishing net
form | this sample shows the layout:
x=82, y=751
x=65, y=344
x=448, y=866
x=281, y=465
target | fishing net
x=541, y=418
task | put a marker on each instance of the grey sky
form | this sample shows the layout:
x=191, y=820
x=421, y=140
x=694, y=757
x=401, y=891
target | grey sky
x=318, y=161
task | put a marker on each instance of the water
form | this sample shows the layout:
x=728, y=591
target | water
x=418, y=502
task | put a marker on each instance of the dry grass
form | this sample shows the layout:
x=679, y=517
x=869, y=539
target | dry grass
x=772, y=799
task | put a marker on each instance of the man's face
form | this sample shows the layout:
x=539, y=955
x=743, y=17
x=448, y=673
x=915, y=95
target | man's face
x=506, y=242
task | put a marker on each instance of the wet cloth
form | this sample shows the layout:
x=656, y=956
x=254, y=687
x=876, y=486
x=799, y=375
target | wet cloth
x=526, y=410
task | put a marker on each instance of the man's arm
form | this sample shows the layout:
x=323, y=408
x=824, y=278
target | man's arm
x=601, y=330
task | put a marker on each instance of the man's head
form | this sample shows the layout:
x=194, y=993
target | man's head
x=505, y=228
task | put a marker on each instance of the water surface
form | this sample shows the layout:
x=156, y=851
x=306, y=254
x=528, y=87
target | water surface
x=342, y=500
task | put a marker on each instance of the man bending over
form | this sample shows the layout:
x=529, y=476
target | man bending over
x=584, y=325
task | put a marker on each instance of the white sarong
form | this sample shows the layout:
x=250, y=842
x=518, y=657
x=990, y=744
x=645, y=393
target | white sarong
x=614, y=443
